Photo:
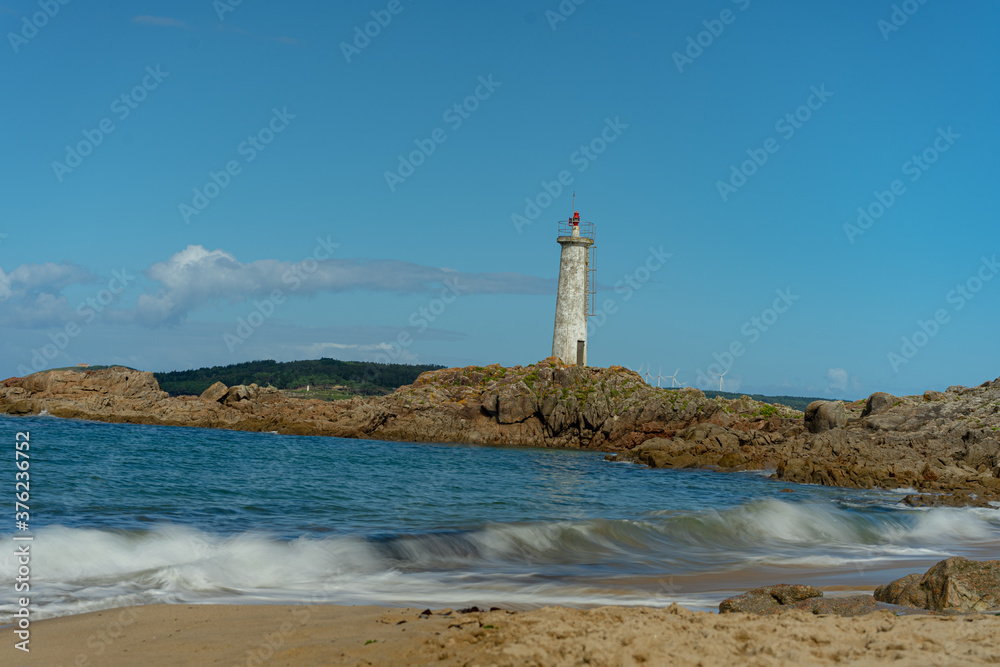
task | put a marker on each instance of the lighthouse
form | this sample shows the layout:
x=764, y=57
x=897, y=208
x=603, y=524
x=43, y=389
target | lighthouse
x=569, y=339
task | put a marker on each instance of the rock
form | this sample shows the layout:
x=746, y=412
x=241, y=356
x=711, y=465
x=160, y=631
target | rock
x=730, y=460
x=956, y=499
x=852, y=605
x=825, y=415
x=956, y=585
x=215, y=393
x=711, y=435
x=905, y=592
x=768, y=599
x=489, y=402
x=515, y=404
x=240, y=392
x=879, y=402
x=784, y=597
x=931, y=395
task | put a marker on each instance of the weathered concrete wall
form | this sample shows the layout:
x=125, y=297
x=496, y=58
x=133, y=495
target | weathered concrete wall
x=571, y=300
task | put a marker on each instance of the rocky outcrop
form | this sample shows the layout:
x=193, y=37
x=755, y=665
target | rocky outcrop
x=705, y=445
x=953, y=585
x=784, y=597
x=548, y=404
x=946, y=445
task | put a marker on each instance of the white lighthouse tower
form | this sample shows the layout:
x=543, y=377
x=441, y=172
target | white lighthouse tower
x=569, y=339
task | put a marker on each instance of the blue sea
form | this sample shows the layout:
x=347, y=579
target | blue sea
x=126, y=514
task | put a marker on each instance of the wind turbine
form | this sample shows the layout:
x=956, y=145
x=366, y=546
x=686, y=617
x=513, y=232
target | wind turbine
x=648, y=375
x=720, y=378
x=659, y=376
x=674, y=381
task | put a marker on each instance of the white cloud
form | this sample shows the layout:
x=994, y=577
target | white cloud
x=31, y=294
x=837, y=379
x=197, y=277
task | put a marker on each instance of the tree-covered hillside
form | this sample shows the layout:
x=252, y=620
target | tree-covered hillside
x=797, y=402
x=359, y=377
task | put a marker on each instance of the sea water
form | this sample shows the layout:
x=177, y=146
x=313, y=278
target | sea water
x=126, y=514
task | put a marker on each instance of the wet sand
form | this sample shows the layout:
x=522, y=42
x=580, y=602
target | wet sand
x=249, y=635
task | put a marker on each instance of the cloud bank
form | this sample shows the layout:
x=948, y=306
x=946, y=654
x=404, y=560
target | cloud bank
x=197, y=278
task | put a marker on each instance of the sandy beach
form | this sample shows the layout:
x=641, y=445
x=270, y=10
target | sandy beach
x=342, y=635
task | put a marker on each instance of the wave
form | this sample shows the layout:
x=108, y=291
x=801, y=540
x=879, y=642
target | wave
x=565, y=562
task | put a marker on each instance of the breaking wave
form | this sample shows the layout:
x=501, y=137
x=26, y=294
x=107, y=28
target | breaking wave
x=565, y=562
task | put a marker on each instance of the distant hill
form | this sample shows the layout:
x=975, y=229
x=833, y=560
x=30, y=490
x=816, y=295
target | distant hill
x=351, y=377
x=797, y=402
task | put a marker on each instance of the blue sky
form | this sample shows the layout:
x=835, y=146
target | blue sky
x=196, y=183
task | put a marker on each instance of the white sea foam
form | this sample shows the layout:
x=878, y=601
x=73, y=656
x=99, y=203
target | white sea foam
x=80, y=569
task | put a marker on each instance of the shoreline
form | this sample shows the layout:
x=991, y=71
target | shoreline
x=944, y=445
x=184, y=634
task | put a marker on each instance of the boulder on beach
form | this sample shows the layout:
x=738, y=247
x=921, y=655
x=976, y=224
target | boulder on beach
x=786, y=597
x=766, y=600
x=956, y=585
